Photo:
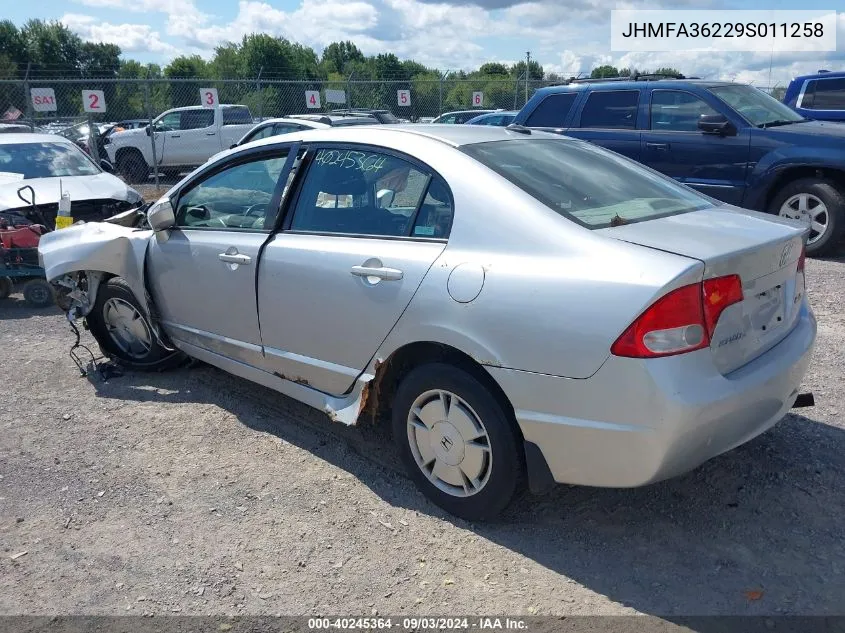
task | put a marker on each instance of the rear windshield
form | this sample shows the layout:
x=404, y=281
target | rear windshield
x=586, y=183
x=44, y=160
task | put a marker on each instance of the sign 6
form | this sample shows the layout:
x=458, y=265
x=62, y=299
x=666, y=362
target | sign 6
x=93, y=101
x=43, y=99
x=403, y=97
x=477, y=98
x=312, y=98
x=208, y=97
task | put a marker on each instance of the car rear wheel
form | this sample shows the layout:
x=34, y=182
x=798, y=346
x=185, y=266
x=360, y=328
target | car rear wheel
x=132, y=166
x=123, y=331
x=6, y=286
x=457, y=442
x=38, y=293
x=820, y=205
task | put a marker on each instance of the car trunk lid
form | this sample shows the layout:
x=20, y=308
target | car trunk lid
x=763, y=250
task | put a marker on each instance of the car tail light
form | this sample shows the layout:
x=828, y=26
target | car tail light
x=681, y=321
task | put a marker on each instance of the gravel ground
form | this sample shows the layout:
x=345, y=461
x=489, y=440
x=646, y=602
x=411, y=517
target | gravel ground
x=195, y=492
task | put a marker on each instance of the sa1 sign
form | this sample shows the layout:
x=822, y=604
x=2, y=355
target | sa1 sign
x=477, y=98
x=43, y=99
x=403, y=97
x=312, y=98
x=93, y=101
x=208, y=97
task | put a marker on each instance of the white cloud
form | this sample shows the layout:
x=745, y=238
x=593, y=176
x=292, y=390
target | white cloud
x=132, y=38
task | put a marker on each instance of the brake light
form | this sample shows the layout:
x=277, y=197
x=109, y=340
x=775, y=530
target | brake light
x=681, y=321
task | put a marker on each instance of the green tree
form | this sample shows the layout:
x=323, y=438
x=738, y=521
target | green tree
x=535, y=70
x=339, y=57
x=604, y=72
x=495, y=68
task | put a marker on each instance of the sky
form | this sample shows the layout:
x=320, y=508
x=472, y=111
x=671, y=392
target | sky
x=564, y=36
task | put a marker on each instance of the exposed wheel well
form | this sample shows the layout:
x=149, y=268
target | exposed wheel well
x=391, y=372
x=128, y=151
x=796, y=173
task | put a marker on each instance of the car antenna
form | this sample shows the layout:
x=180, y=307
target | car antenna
x=516, y=127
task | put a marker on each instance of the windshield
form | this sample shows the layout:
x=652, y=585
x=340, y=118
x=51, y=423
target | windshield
x=756, y=106
x=45, y=160
x=586, y=183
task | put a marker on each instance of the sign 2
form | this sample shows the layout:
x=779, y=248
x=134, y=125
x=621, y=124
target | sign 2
x=208, y=97
x=477, y=98
x=43, y=99
x=93, y=101
x=312, y=98
x=403, y=97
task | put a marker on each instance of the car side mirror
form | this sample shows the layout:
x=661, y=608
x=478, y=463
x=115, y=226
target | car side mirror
x=233, y=146
x=716, y=124
x=385, y=198
x=161, y=216
x=106, y=166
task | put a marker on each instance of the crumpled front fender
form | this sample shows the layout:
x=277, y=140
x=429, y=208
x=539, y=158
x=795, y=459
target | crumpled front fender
x=98, y=247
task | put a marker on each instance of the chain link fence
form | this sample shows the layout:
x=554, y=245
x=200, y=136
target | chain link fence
x=68, y=106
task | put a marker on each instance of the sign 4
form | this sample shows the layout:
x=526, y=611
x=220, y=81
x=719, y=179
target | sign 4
x=477, y=98
x=43, y=99
x=312, y=98
x=208, y=97
x=403, y=97
x=93, y=101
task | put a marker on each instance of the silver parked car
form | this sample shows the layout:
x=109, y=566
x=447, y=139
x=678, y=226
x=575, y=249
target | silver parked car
x=522, y=305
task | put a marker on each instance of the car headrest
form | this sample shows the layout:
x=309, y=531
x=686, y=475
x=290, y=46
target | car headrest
x=339, y=181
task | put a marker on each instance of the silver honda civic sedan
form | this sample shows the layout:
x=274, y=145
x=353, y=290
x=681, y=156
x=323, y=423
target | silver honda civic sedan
x=525, y=308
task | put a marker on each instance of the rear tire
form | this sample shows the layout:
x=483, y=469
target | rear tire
x=818, y=202
x=459, y=445
x=6, y=286
x=132, y=166
x=38, y=293
x=124, y=333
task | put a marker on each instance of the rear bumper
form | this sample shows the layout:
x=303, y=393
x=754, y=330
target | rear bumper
x=636, y=422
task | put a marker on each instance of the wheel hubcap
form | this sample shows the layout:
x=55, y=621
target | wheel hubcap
x=810, y=210
x=449, y=443
x=127, y=328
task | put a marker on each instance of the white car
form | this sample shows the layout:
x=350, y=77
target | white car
x=184, y=138
x=50, y=164
x=300, y=123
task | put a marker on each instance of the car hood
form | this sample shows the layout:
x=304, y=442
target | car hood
x=48, y=190
x=822, y=129
x=128, y=134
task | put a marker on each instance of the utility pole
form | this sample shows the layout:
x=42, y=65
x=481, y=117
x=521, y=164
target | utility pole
x=527, y=64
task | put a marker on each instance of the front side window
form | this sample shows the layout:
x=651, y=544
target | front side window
x=235, y=198
x=824, y=94
x=359, y=192
x=197, y=119
x=616, y=109
x=447, y=119
x=285, y=128
x=586, y=183
x=170, y=122
x=677, y=111
x=756, y=106
x=21, y=161
x=552, y=111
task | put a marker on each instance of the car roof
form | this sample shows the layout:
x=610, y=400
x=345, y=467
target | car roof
x=298, y=121
x=633, y=85
x=401, y=134
x=831, y=74
x=32, y=137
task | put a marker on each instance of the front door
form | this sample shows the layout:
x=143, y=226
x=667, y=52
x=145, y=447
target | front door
x=366, y=228
x=203, y=276
x=715, y=165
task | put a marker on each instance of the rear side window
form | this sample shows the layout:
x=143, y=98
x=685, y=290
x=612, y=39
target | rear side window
x=825, y=94
x=615, y=109
x=552, y=111
x=196, y=119
x=236, y=116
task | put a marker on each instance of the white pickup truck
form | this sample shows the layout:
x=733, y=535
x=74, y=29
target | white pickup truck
x=184, y=138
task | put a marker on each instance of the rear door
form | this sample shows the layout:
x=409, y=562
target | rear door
x=609, y=118
x=236, y=121
x=335, y=281
x=195, y=141
x=673, y=144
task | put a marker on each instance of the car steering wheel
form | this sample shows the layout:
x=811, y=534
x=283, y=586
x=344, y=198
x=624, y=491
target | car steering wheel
x=256, y=210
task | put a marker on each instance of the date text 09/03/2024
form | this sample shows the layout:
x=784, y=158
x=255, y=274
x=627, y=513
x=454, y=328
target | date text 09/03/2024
x=418, y=624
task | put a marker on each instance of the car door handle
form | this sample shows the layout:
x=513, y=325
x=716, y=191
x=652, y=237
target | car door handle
x=235, y=258
x=175, y=136
x=210, y=133
x=657, y=146
x=388, y=274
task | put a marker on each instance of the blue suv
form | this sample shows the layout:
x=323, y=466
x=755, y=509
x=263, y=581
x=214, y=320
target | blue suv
x=730, y=141
x=820, y=96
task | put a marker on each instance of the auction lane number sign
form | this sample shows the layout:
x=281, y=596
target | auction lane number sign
x=93, y=101
x=403, y=97
x=312, y=98
x=208, y=97
x=477, y=98
x=43, y=99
